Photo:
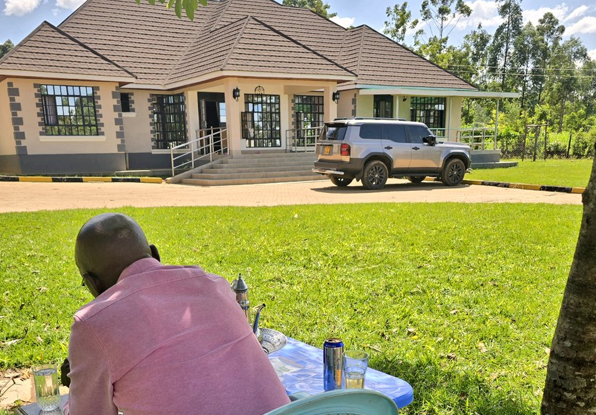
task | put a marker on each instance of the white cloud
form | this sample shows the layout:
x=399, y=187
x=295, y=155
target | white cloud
x=20, y=7
x=585, y=25
x=342, y=21
x=592, y=54
x=483, y=12
x=578, y=12
x=559, y=11
x=69, y=4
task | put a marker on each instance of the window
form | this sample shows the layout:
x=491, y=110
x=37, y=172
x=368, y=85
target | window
x=396, y=133
x=371, y=131
x=429, y=110
x=418, y=133
x=335, y=132
x=125, y=102
x=69, y=110
x=261, y=122
x=383, y=106
x=309, y=113
x=169, y=117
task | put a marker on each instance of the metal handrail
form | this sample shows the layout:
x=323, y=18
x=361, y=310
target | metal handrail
x=302, y=139
x=198, y=149
x=475, y=137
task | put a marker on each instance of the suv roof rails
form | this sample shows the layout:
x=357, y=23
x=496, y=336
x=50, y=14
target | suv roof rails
x=370, y=118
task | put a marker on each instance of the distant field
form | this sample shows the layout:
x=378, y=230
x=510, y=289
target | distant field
x=460, y=300
x=568, y=173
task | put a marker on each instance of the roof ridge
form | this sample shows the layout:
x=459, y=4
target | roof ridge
x=62, y=32
x=22, y=42
x=303, y=46
x=81, y=7
x=361, y=48
x=225, y=9
x=418, y=55
x=198, y=33
x=238, y=37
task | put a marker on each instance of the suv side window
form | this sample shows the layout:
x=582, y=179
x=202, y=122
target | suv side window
x=371, y=131
x=396, y=133
x=417, y=133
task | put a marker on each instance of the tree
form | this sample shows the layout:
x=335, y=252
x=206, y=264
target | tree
x=441, y=17
x=399, y=22
x=570, y=387
x=189, y=6
x=317, y=6
x=6, y=47
x=502, y=46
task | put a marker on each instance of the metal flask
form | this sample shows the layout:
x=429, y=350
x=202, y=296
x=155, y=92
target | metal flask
x=241, y=290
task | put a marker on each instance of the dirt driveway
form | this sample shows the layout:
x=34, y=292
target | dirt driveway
x=24, y=197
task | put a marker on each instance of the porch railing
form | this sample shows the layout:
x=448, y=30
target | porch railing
x=204, y=147
x=302, y=139
x=478, y=138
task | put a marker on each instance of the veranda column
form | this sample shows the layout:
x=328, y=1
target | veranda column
x=233, y=121
x=330, y=105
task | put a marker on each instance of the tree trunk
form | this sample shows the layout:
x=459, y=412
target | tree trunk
x=570, y=387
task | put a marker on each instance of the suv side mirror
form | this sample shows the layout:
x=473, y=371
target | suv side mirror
x=430, y=140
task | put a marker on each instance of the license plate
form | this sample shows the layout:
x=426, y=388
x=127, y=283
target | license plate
x=327, y=150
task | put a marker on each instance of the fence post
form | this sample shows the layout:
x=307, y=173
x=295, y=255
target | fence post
x=172, y=160
x=569, y=145
x=524, y=143
x=211, y=146
x=545, y=139
x=192, y=154
x=536, y=141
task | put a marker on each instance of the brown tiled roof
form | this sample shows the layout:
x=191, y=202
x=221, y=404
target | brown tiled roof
x=49, y=50
x=160, y=49
x=381, y=61
x=250, y=45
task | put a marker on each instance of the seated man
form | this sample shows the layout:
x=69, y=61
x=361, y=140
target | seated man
x=160, y=339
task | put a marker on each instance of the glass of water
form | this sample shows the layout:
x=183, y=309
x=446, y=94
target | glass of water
x=47, y=388
x=355, y=365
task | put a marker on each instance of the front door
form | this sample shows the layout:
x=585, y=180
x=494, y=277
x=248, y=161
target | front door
x=212, y=116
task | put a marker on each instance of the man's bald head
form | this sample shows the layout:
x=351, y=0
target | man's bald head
x=106, y=245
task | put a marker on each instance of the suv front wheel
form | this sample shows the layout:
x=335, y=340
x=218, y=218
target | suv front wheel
x=453, y=172
x=375, y=175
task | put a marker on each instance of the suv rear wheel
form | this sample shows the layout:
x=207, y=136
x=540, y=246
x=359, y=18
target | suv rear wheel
x=453, y=172
x=340, y=181
x=375, y=175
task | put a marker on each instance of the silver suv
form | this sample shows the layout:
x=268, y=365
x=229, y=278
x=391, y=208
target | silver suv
x=374, y=149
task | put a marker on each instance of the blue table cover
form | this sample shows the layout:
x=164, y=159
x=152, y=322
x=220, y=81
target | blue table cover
x=300, y=368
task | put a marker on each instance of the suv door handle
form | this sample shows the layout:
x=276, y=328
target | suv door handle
x=388, y=148
x=415, y=148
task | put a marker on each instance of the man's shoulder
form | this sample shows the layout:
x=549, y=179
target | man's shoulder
x=154, y=280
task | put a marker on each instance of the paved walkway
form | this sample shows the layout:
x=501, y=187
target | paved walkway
x=26, y=197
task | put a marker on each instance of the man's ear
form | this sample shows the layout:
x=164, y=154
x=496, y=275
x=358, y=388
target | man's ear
x=154, y=252
x=93, y=284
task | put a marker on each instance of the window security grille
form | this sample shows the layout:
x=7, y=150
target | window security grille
x=429, y=110
x=69, y=110
x=169, y=117
x=261, y=121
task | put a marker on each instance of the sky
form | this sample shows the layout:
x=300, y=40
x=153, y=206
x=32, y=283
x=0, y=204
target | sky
x=19, y=17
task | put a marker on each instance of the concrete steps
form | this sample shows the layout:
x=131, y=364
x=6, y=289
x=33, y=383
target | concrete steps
x=257, y=168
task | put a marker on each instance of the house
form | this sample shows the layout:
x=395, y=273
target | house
x=118, y=84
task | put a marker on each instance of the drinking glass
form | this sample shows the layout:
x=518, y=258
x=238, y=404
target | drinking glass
x=47, y=388
x=355, y=364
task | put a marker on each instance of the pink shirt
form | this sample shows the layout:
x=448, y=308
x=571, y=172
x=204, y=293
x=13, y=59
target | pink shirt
x=168, y=340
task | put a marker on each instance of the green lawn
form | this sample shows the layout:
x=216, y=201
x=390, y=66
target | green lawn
x=570, y=173
x=459, y=300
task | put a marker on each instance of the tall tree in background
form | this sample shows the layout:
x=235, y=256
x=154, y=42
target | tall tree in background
x=501, y=48
x=571, y=374
x=6, y=47
x=317, y=6
x=399, y=22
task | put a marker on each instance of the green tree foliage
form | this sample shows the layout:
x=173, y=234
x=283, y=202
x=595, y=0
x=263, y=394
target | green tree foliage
x=6, y=47
x=501, y=48
x=189, y=6
x=399, y=22
x=317, y=6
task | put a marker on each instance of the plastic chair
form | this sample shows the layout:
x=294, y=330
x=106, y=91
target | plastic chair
x=340, y=402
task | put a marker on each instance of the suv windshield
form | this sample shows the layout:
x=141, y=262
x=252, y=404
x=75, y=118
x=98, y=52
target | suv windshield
x=335, y=132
